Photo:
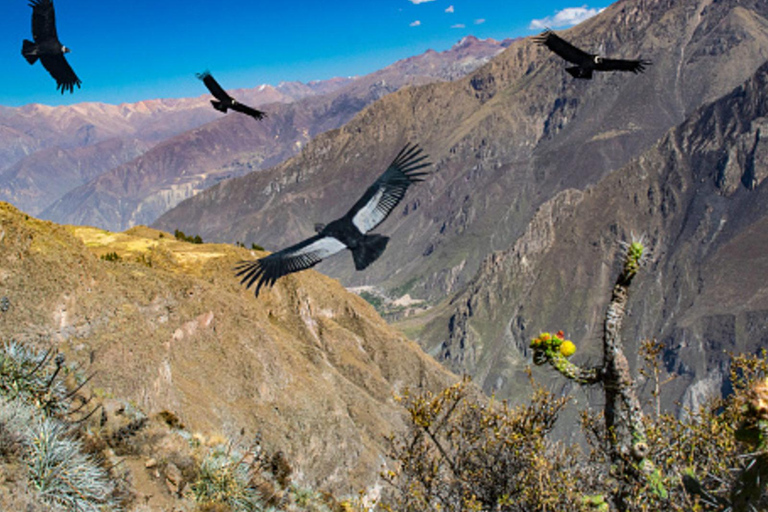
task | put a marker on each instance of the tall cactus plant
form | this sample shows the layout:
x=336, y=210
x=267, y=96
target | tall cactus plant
x=622, y=411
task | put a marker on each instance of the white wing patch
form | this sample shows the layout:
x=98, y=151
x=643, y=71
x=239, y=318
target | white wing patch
x=370, y=215
x=320, y=249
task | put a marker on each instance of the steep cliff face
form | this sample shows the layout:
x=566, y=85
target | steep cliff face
x=307, y=365
x=141, y=190
x=698, y=197
x=504, y=140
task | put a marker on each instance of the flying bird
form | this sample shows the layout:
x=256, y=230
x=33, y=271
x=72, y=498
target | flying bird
x=224, y=101
x=585, y=62
x=47, y=46
x=350, y=231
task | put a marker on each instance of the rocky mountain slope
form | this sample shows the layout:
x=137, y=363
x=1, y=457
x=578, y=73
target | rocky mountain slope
x=504, y=140
x=47, y=151
x=140, y=190
x=308, y=366
x=699, y=200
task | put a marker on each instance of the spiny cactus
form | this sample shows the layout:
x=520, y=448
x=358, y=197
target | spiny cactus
x=622, y=412
x=555, y=350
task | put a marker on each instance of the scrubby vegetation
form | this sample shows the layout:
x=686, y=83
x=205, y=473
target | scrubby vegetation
x=254, y=246
x=62, y=450
x=464, y=452
x=111, y=256
x=179, y=234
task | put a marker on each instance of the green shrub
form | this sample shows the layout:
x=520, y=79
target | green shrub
x=179, y=234
x=111, y=256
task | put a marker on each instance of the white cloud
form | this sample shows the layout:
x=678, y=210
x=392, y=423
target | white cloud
x=449, y=9
x=566, y=18
x=479, y=21
x=417, y=2
x=416, y=23
x=459, y=25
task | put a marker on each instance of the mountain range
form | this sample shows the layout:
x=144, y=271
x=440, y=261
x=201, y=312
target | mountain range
x=697, y=200
x=505, y=141
x=119, y=166
x=536, y=181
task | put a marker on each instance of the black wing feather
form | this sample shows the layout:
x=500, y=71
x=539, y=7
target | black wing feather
x=245, y=109
x=43, y=20
x=308, y=253
x=563, y=48
x=213, y=86
x=61, y=71
x=388, y=190
x=635, y=66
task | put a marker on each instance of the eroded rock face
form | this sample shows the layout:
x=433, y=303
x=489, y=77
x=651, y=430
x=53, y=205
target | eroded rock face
x=701, y=291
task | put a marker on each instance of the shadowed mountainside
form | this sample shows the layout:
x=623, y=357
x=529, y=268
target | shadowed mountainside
x=504, y=140
x=698, y=198
x=139, y=191
x=312, y=368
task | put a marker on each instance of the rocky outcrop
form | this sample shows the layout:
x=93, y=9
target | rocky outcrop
x=698, y=198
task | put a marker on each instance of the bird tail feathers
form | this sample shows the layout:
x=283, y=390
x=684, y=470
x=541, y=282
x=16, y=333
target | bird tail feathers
x=29, y=51
x=219, y=106
x=578, y=72
x=369, y=250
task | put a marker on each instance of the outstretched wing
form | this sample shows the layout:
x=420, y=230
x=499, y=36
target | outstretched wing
x=245, y=109
x=635, y=66
x=563, y=48
x=61, y=71
x=43, y=20
x=297, y=257
x=386, y=192
x=214, y=86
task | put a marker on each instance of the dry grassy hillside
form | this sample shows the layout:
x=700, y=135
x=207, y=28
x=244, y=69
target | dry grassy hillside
x=309, y=366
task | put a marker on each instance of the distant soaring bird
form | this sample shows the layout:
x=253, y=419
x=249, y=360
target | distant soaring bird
x=585, y=62
x=347, y=232
x=224, y=101
x=47, y=47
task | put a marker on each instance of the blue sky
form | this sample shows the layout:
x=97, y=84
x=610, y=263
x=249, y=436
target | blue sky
x=126, y=51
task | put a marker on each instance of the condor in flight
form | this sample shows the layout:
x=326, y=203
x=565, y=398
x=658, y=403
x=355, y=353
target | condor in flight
x=348, y=232
x=47, y=46
x=585, y=62
x=224, y=101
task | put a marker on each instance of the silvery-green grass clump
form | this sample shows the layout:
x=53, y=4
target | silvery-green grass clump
x=61, y=473
x=33, y=377
x=33, y=403
x=225, y=478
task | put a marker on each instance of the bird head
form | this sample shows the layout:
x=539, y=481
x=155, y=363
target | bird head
x=598, y=59
x=64, y=49
x=319, y=227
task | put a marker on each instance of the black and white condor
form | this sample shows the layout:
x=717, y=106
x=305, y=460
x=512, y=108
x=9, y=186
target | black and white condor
x=348, y=232
x=586, y=63
x=47, y=47
x=224, y=101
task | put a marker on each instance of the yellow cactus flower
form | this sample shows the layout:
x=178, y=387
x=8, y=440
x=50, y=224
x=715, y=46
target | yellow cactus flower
x=567, y=348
